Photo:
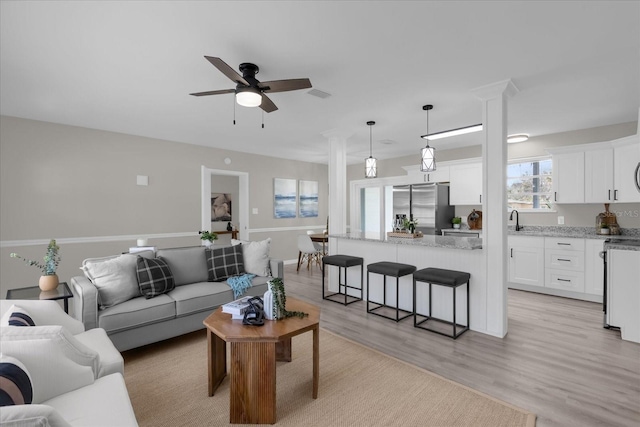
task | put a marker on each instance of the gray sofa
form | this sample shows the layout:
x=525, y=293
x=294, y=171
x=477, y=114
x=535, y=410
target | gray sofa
x=141, y=321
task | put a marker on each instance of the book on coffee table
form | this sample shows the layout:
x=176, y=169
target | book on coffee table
x=237, y=307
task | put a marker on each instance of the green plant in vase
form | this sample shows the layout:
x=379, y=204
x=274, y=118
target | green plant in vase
x=208, y=237
x=456, y=221
x=49, y=279
x=276, y=287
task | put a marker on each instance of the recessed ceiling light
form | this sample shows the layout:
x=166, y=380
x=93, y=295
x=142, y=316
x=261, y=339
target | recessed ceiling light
x=519, y=137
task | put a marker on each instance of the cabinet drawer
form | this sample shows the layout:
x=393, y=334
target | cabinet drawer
x=564, y=243
x=564, y=260
x=565, y=280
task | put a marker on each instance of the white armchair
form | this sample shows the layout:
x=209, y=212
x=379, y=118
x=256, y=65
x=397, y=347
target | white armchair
x=65, y=391
x=50, y=320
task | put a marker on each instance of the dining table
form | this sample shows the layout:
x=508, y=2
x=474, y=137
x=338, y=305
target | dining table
x=320, y=238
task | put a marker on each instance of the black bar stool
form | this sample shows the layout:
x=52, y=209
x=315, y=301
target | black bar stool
x=441, y=277
x=342, y=261
x=393, y=269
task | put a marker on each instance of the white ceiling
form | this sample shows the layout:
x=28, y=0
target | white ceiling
x=129, y=67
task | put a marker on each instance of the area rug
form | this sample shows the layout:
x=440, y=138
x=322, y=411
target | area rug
x=167, y=383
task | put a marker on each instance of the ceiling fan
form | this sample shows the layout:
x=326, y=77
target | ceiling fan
x=249, y=91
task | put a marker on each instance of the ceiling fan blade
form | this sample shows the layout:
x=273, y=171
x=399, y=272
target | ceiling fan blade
x=284, y=85
x=227, y=70
x=213, y=92
x=267, y=105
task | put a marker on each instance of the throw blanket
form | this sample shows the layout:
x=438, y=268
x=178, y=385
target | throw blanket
x=240, y=284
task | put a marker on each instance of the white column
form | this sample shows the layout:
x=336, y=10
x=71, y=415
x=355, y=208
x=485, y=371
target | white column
x=337, y=180
x=494, y=200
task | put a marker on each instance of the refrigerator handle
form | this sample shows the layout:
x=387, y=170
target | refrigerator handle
x=638, y=177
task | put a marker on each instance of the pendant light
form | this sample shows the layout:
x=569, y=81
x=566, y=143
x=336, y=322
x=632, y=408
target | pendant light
x=428, y=158
x=370, y=164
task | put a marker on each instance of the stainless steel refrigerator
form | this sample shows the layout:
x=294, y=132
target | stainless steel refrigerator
x=428, y=203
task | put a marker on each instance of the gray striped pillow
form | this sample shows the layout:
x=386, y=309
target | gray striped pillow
x=15, y=382
x=154, y=277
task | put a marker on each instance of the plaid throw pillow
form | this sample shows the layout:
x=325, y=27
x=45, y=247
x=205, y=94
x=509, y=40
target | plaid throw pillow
x=154, y=277
x=225, y=262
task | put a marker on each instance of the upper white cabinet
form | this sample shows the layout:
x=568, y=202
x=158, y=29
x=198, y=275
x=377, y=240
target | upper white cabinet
x=441, y=174
x=568, y=177
x=604, y=172
x=626, y=161
x=465, y=183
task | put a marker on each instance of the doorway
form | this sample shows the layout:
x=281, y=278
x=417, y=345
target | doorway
x=242, y=204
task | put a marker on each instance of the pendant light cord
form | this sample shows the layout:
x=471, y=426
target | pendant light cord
x=370, y=141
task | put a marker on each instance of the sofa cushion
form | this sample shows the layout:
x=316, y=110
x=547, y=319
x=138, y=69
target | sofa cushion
x=104, y=403
x=224, y=262
x=154, y=277
x=137, y=312
x=17, y=316
x=207, y=296
x=15, y=382
x=188, y=265
x=31, y=416
x=256, y=256
x=114, y=277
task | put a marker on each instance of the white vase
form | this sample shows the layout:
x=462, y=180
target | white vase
x=208, y=243
x=456, y=226
x=271, y=311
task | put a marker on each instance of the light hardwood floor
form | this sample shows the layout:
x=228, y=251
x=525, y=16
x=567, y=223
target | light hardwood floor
x=556, y=360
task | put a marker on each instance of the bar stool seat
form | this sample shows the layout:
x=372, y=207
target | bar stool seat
x=343, y=262
x=448, y=278
x=393, y=269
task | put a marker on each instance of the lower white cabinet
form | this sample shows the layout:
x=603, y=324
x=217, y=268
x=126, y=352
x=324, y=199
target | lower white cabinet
x=568, y=267
x=526, y=260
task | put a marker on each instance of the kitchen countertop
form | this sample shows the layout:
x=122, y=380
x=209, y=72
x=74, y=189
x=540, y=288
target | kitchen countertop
x=622, y=245
x=451, y=242
x=575, y=232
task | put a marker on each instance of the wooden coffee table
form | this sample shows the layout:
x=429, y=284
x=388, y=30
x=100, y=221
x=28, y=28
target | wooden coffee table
x=254, y=352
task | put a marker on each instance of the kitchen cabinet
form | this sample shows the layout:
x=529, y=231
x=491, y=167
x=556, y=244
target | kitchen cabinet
x=441, y=174
x=594, y=267
x=568, y=177
x=564, y=264
x=465, y=184
x=598, y=176
x=626, y=161
x=526, y=260
x=623, y=292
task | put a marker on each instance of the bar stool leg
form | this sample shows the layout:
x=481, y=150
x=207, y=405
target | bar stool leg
x=454, y=313
x=415, y=316
x=429, y=299
x=345, y=285
x=397, y=299
x=367, y=291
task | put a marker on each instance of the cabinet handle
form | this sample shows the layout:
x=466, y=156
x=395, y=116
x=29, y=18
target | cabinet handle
x=615, y=195
x=428, y=177
x=566, y=260
x=609, y=194
x=555, y=196
x=564, y=280
x=481, y=198
x=511, y=252
x=564, y=244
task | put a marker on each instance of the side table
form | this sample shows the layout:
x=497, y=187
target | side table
x=34, y=292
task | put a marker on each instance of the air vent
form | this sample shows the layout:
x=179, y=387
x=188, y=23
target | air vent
x=319, y=93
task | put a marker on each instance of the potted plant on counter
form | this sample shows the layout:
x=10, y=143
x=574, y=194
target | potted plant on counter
x=456, y=221
x=49, y=279
x=207, y=237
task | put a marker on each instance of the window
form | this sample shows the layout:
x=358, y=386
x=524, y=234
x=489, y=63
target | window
x=529, y=184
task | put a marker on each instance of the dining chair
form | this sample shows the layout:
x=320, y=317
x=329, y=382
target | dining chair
x=308, y=252
x=316, y=244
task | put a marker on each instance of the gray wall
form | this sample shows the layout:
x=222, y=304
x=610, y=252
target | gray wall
x=575, y=215
x=79, y=184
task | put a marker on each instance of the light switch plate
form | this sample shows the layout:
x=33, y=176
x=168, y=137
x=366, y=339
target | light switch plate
x=142, y=180
x=255, y=211
x=560, y=220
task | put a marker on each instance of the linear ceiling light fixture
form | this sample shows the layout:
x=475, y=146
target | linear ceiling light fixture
x=428, y=154
x=519, y=137
x=370, y=163
x=453, y=132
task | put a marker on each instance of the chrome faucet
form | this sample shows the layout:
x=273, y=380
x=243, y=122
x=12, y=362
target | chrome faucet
x=518, y=228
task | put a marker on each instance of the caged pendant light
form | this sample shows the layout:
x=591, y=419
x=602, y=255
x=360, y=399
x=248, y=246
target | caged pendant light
x=370, y=163
x=428, y=157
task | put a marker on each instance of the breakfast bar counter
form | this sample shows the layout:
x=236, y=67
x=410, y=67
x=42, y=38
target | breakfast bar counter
x=446, y=252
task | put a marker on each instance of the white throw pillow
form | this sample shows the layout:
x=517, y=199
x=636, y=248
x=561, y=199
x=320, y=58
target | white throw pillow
x=256, y=256
x=31, y=415
x=17, y=316
x=115, y=278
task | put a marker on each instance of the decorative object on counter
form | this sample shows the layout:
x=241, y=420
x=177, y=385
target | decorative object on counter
x=609, y=219
x=275, y=301
x=142, y=242
x=208, y=237
x=370, y=167
x=428, y=154
x=405, y=235
x=409, y=225
x=475, y=220
x=456, y=221
x=229, y=226
x=49, y=279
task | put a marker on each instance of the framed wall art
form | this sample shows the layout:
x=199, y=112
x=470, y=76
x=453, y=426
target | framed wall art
x=285, y=195
x=308, y=206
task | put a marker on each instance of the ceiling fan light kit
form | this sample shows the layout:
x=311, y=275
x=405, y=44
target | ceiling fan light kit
x=427, y=154
x=370, y=163
x=248, y=97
